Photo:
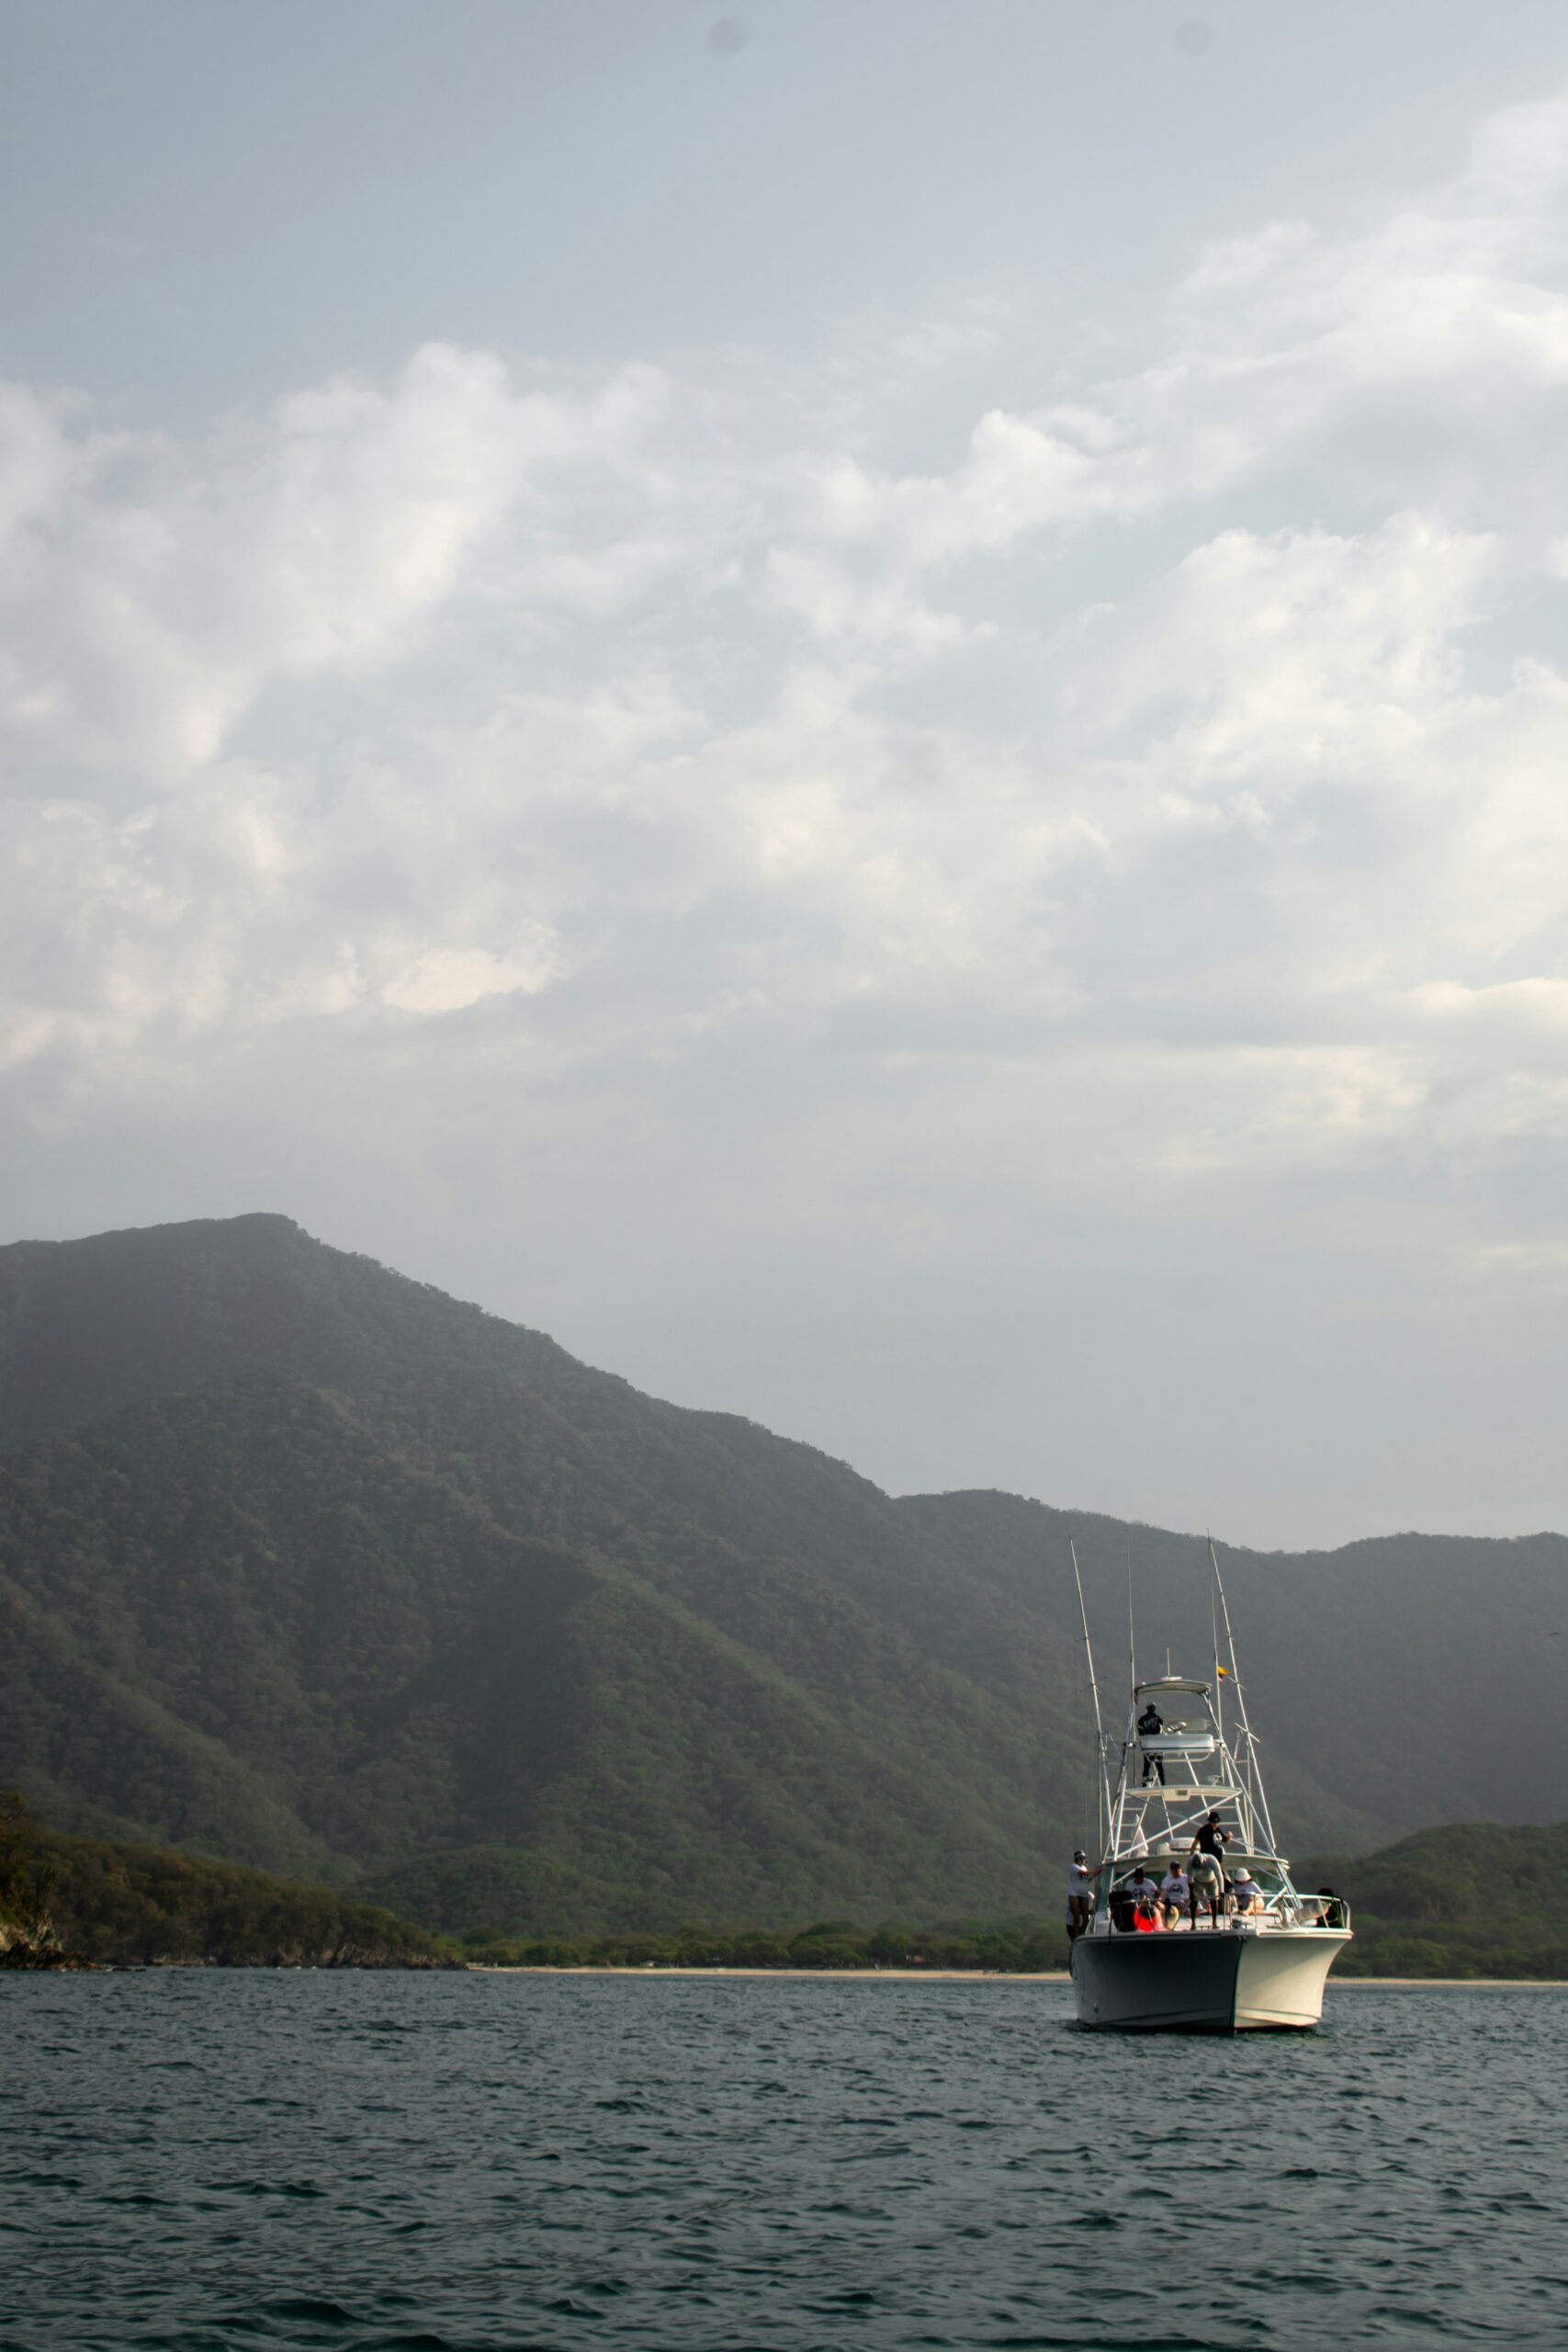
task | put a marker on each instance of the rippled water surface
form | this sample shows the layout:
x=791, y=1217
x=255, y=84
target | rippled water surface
x=207, y=2160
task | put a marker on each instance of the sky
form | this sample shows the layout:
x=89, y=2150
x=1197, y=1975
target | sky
x=861, y=701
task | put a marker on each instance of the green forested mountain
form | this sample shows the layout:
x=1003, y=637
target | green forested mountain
x=307, y=1566
x=1472, y=1899
x=69, y=1900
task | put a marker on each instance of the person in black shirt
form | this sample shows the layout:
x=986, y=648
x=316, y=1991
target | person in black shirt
x=1149, y=1725
x=1210, y=1838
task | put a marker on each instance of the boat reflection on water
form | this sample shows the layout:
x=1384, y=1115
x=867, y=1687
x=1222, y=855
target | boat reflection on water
x=1255, y=1953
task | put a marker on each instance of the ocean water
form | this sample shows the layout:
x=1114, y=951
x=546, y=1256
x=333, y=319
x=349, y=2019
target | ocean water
x=206, y=2160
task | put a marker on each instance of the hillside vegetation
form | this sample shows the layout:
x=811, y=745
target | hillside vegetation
x=1472, y=1899
x=81, y=1900
x=306, y=1565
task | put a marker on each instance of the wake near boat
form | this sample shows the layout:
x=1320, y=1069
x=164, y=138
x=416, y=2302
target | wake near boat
x=1253, y=1952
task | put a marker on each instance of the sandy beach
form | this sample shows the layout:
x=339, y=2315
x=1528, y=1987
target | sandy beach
x=834, y=1975
x=1020, y=1976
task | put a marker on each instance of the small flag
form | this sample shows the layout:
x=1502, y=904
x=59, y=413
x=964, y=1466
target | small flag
x=1224, y=1674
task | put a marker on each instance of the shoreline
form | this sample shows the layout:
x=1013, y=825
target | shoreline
x=806, y=1975
x=1010, y=1976
x=1459, y=1983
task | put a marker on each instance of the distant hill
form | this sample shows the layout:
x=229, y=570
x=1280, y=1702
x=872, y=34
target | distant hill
x=307, y=1566
x=1470, y=1899
x=131, y=1906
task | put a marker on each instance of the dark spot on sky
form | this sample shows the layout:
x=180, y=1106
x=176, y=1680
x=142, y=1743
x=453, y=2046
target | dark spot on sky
x=729, y=35
x=1192, y=37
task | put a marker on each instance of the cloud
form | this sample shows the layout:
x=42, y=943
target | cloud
x=1538, y=1004
x=1152, y=789
x=448, y=979
x=151, y=593
x=1405, y=357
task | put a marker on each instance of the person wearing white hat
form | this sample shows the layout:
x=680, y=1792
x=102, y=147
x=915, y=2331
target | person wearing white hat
x=1249, y=1893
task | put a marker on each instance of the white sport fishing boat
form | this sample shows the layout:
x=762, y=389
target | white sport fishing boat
x=1264, y=1960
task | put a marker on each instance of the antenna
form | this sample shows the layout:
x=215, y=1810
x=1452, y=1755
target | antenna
x=1103, y=1824
x=1257, y=1789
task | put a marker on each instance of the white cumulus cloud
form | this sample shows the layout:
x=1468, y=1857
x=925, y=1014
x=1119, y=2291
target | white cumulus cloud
x=1150, y=793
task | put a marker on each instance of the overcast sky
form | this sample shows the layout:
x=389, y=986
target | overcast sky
x=862, y=702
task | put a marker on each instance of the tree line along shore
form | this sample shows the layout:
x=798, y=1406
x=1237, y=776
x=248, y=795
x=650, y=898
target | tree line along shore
x=1471, y=1903
x=72, y=1903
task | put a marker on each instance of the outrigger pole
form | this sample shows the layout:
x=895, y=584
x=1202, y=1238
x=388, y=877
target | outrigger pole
x=1132, y=1646
x=1254, y=1793
x=1105, y=1822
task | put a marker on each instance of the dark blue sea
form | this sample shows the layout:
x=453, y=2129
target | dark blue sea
x=517, y=2164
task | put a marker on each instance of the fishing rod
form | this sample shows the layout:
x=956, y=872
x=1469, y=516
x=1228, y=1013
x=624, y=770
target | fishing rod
x=1103, y=1824
x=1255, y=1792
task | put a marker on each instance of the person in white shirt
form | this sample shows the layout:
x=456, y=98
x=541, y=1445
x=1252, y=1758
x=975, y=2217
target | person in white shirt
x=1080, y=1894
x=1175, y=1892
x=1249, y=1893
x=1144, y=1894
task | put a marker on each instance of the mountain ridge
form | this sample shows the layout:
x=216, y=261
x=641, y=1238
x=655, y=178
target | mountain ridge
x=19, y=1420
x=307, y=1564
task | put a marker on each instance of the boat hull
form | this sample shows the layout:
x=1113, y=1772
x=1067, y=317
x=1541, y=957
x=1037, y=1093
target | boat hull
x=1223, y=1981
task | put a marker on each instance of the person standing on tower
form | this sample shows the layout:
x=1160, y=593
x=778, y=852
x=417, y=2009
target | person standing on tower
x=1150, y=1725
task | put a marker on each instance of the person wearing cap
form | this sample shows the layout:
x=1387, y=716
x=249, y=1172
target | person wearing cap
x=1080, y=1894
x=1175, y=1892
x=1144, y=1895
x=1208, y=1884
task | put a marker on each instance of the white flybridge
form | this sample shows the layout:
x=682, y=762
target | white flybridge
x=1240, y=1948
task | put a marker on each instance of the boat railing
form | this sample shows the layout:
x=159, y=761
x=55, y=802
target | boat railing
x=1280, y=1911
x=1321, y=1911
